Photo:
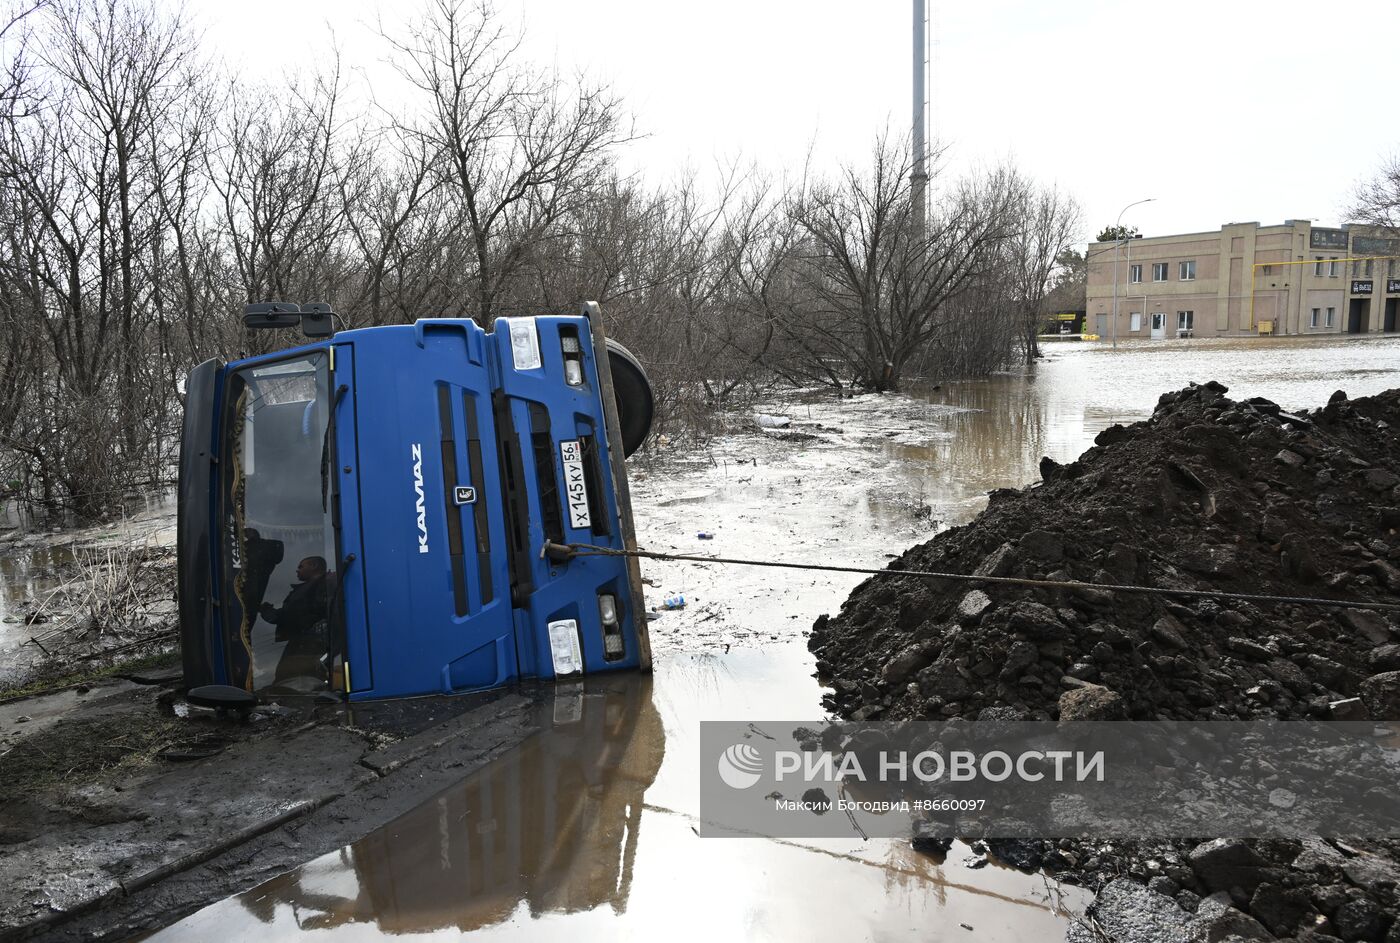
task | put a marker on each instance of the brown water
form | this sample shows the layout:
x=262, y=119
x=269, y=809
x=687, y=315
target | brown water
x=33, y=569
x=991, y=433
x=587, y=831
x=27, y=579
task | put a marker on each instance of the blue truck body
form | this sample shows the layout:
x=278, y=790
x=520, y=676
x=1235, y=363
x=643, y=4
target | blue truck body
x=394, y=489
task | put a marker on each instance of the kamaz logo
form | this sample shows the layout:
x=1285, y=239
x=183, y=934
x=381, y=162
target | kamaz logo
x=421, y=506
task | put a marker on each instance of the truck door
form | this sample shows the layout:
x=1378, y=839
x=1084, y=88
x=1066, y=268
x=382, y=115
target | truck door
x=438, y=605
x=278, y=552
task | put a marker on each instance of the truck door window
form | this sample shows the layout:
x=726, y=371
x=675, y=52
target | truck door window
x=279, y=543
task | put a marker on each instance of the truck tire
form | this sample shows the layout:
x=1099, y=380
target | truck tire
x=632, y=393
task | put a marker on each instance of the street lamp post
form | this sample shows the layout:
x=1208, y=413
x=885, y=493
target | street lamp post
x=1118, y=245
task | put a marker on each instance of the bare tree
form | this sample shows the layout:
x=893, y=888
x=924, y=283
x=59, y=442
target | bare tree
x=871, y=286
x=1048, y=220
x=275, y=169
x=85, y=161
x=15, y=62
x=1376, y=201
x=394, y=223
x=518, y=148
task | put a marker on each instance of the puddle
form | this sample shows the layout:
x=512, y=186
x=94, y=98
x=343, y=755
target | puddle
x=31, y=569
x=27, y=574
x=27, y=577
x=586, y=831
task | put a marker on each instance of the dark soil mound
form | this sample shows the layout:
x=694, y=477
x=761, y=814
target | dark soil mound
x=1207, y=494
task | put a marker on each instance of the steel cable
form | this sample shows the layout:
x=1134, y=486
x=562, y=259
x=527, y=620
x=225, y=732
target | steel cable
x=591, y=550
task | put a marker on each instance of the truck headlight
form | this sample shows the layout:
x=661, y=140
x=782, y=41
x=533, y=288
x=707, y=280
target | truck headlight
x=613, y=646
x=564, y=647
x=524, y=343
x=572, y=352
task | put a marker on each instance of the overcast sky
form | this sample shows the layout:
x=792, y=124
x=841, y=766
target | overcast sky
x=1220, y=110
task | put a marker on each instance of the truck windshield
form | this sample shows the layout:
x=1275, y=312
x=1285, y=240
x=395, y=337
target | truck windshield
x=279, y=544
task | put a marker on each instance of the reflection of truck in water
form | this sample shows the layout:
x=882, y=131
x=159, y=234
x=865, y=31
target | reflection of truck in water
x=368, y=512
x=551, y=827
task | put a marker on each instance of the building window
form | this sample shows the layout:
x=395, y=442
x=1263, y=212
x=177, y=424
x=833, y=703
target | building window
x=1390, y=268
x=1370, y=263
x=1188, y=270
x=1319, y=266
x=1316, y=317
x=1334, y=268
x=1135, y=321
x=1185, y=320
x=1159, y=271
x=1355, y=268
x=1134, y=273
x=1331, y=313
x=1268, y=270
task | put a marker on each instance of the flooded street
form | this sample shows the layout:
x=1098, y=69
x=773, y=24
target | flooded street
x=587, y=830
x=1000, y=427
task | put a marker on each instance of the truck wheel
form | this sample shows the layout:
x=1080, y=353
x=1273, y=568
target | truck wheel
x=632, y=393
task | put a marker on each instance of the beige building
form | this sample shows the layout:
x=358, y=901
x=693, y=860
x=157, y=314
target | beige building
x=1247, y=279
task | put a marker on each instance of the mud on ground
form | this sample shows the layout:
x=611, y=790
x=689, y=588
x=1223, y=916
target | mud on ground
x=1208, y=493
x=122, y=807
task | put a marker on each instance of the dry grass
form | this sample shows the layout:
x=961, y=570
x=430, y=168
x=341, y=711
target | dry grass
x=77, y=751
x=109, y=602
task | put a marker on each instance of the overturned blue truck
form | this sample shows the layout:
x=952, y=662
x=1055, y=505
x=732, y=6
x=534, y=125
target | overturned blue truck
x=379, y=512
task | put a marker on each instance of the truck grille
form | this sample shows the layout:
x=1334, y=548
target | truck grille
x=542, y=443
x=454, y=513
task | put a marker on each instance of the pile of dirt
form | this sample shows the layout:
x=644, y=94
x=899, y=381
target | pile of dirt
x=1207, y=494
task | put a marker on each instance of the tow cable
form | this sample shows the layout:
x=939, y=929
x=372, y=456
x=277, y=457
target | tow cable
x=567, y=551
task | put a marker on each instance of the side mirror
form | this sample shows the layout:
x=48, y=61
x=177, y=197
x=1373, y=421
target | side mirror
x=271, y=314
x=317, y=320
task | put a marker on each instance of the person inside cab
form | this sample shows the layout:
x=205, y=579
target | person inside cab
x=301, y=622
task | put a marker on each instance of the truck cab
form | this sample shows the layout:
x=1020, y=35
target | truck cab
x=378, y=513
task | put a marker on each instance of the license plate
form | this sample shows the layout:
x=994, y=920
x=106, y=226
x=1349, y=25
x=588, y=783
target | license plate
x=575, y=491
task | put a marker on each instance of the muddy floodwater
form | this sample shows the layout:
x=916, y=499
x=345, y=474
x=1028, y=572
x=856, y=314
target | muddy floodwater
x=998, y=428
x=33, y=566
x=587, y=832
x=588, y=829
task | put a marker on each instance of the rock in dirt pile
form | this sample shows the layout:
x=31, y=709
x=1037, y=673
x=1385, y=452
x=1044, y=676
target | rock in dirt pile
x=1207, y=494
